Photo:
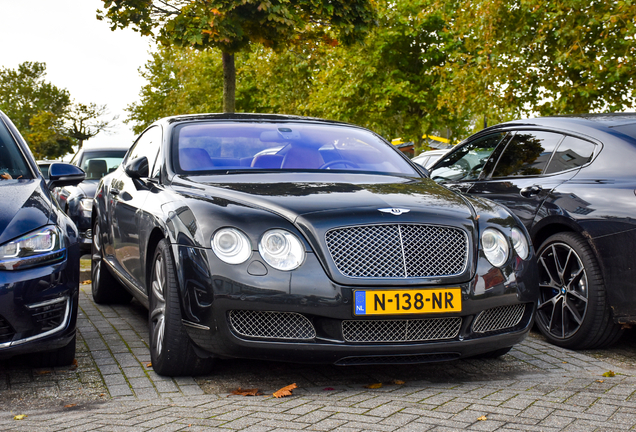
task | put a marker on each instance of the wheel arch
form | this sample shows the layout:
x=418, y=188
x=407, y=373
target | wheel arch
x=154, y=238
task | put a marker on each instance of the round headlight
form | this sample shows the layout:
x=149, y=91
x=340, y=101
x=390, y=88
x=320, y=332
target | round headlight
x=520, y=243
x=495, y=246
x=281, y=249
x=231, y=246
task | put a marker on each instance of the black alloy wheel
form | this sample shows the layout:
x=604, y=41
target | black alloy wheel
x=171, y=350
x=105, y=288
x=572, y=310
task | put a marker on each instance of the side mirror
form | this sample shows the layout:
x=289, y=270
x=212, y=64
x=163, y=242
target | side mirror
x=63, y=174
x=137, y=168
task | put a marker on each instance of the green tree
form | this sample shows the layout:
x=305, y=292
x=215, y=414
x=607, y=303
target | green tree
x=539, y=57
x=391, y=84
x=44, y=114
x=83, y=122
x=233, y=25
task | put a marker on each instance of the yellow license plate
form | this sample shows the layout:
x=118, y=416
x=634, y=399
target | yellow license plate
x=396, y=302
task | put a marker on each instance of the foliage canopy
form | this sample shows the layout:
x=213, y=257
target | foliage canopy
x=44, y=114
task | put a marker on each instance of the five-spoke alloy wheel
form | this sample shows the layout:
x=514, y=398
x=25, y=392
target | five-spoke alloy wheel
x=171, y=350
x=572, y=311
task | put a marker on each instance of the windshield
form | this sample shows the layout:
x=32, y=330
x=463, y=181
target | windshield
x=223, y=147
x=98, y=163
x=12, y=162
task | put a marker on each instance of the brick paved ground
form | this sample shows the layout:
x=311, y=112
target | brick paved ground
x=537, y=387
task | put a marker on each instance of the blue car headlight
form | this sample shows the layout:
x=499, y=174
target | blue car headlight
x=40, y=247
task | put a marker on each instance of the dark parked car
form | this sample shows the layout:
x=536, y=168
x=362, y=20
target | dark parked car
x=571, y=181
x=296, y=239
x=39, y=257
x=77, y=201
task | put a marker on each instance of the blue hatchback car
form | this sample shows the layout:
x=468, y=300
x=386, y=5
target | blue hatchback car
x=39, y=257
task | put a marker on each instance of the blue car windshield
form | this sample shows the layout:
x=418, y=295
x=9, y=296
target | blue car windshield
x=199, y=148
x=13, y=165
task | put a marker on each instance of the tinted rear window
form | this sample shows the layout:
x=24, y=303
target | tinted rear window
x=527, y=154
x=572, y=153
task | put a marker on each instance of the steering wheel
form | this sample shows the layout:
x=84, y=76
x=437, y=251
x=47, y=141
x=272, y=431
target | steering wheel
x=339, y=161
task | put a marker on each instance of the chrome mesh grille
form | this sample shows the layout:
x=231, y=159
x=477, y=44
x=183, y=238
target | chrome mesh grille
x=271, y=325
x=400, y=330
x=398, y=250
x=498, y=318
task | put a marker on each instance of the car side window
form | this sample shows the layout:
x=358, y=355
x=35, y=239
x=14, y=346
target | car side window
x=572, y=153
x=147, y=145
x=467, y=162
x=527, y=154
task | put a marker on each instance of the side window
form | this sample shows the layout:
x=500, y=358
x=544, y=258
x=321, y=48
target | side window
x=147, y=145
x=572, y=153
x=467, y=162
x=527, y=154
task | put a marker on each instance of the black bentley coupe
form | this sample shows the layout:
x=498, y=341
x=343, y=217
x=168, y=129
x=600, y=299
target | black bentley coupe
x=299, y=239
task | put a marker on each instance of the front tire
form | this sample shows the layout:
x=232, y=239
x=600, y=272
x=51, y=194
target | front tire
x=573, y=311
x=105, y=288
x=171, y=350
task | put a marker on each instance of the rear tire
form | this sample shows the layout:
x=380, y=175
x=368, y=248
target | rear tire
x=60, y=357
x=573, y=311
x=171, y=351
x=105, y=288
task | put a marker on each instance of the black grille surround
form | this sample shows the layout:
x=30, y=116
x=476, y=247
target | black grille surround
x=398, y=250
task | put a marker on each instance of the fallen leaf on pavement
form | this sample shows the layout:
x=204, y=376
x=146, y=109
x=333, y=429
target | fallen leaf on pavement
x=87, y=282
x=20, y=417
x=397, y=382
x=328, y=389
x=74, y=365
x=148, y=365
x=70, y=405
x=285, y=391
x=246, y=392
x=600, y=381
x=373, y=386
x=43, y=372
x=609, y=373
x=482, y=418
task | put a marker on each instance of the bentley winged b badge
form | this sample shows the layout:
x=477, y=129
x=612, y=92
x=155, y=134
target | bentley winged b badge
x=395, y=211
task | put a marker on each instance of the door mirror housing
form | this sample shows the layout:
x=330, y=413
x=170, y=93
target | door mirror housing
x=64, y=174
x=137, y=168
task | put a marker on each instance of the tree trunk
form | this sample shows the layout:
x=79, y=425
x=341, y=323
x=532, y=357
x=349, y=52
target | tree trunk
x=229, y=83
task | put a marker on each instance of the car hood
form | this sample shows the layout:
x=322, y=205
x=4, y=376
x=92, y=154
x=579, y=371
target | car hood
x=25, y=207
x=302, y=195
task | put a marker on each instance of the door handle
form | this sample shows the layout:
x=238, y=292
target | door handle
x=529, y=191
x=114, y=191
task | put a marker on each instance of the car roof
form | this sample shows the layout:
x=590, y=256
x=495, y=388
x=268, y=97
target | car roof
x=250, y=117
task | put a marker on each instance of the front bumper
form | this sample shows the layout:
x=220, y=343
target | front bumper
x=38, y=307
x=209, y=299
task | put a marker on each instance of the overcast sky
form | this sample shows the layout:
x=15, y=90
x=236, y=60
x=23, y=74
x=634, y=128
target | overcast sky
x=81, y=53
